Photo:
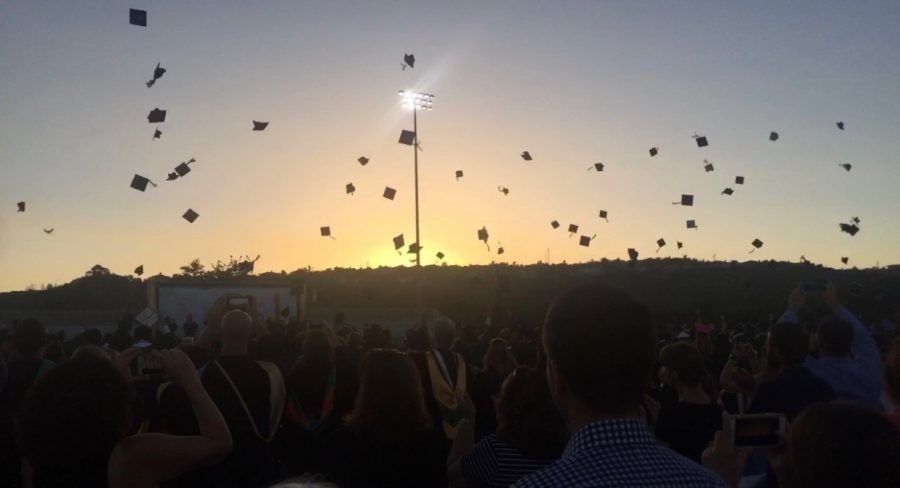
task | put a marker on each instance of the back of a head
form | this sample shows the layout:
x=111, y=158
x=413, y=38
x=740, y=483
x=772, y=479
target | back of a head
x=390, y=403
x=835, y=337
x=237, y=326
x=29, y=336
x=841, y=444
x=444, y=333
x=603, y=343
x=317, y=348
x=527, y=417
x=789, y=342
x=74, y=414
x=498, y=359
x=892, y=372
x=685, y=361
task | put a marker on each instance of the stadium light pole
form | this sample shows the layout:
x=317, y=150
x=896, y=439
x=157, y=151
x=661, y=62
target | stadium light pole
x=416, y=101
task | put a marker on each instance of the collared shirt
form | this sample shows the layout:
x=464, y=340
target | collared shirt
x=620, y=453
x=856, y=378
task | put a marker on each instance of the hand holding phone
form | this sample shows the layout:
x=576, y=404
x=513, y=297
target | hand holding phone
x=758, y=430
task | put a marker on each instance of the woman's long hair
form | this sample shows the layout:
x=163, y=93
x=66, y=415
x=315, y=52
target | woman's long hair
x=390, y=403
x=527, y=417
x=498, y=360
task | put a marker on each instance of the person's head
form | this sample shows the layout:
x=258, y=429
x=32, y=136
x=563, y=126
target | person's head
x=682, y=365
x=841, y=444
x=498, y=359
x=317, y=348
x=55, y=352
x=75, y=414
x=892, y=372
x=787, y=345
x=526, y=416
x=29, y=337
x=237, y=327
x=601, y=347
x=143, y=333
x=835, y=337
x=390, y=403
x=444, y=333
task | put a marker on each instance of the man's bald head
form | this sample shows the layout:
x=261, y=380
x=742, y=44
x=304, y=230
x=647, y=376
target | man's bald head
x=237, y=325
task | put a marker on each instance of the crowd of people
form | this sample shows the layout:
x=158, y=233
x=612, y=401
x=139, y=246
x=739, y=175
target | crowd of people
x=596, y=395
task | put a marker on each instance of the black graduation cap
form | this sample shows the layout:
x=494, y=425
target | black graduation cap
x=596, y=166
x=845, y=260
x=325, y=231
x=183, y=168
x=840, y=125
x=389, y=193
x=157, y=74
x=137, y=17
x=20, y=206
x=500, y=250
x=157, y=133
x=679, y=244
x=708, y=166
x=773, y=136
x=739, y=180
x=459, y=174
x=407, y=137
x=363, y=160
x=691, y=224
x=156, y=116
x=140, y=183
x=350, y=188
x=190, y=215
x=604, y=215
x=846, y=166
x=409, y=60
x=633, y=254
x=554, y=224
x=654, y=151
x=399, y=242
x=48, y=231
x=483, y=236
x=504, y=190
x=686, y=200
x=851, y=229
x=260, y=125
x=660, y=244
x=172, y=177
x=414, y=248
x=855, y=220
x=756, y=245
x=139, y=270
x=586, y=241
x=573, y=228
x=526, y=156
x=440, y=255
x=701, y=141
x=727, y=191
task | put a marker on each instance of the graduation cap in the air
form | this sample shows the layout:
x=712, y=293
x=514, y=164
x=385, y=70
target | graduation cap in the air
x=846, y=166
x=633, y=254
x=137, y=17
x=708, y=166
x=363, y=160
x=573, y=228
x=504, y=190
x=701, y=141
x=855, y=220
x=48, y=231
x=483, y=236
x=773, y=136
x=409, y=60
x=156, y=116
x=686, y=200
x=585, y=240
x=257, y=125
x=500, y=249
x=526, y=156
x=596, y=166
x=840, y=125
x=679, y=244
x=739, y=180
x=407, y=137
x=414, y=248
x=172, y=176
x=325, y=231
x=399, y=242
x=183, y=168
x=440, y=255
x=140, y=183
x=157, y=133
x=660, y=243
x=157, y=74
x=851, y=229
x=139, y=270
x=604, y=215
x=554, y=224
x=389, y=193
x=246, y=266
x=350, y=188
x=691, y=224
x=756, y=245
x=459, y=174
x=20, y=206
x=845, y=260
x=190, y=215
x=727, y=191
x=654, y=151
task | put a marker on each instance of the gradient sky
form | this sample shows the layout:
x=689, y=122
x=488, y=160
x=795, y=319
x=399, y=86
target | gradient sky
x=572, y=82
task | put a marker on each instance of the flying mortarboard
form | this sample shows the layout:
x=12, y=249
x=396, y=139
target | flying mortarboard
x=172, y=176
x=701, y=141
x=137, y=17
x=49, y=231
x=679, y=244
x=183, y=168
x=756, y=245
x=440, y=255
x=554, y=224
x=157, y=74
x=840, y=125
x=846, y=166
x=399, y=242
x=363, y=160
x=407, y=137
x=660, y=243
x=20, y=206
x=845, y=260
x=409, y=60
x=526, y=156
x=708, y=166
x=855, y=220
x=654, y=151
x=596, y=166
x=483, y=236
x=504, y=190
x=325, y=231
x=500, y=250
x=139, y=270
x=773, y=136
x=691, y=224
x=157, y=133
x=572, y=229
x=727, y=191
x=140, y=183
x=190, y=215
x=686, y=200
x=414, y=248
x=633, y=254
x=459, y=174
x=586, y=241
x=604, y=215
x=851, y=229
x=350, y=188
x=389, y=193
x=260, y=125
x=156, y=116
x=739, y=180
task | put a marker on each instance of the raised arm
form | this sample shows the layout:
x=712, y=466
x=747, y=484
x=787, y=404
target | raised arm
x=796, y=300
x=150, y=459
x=865, y=350
x=462, y=443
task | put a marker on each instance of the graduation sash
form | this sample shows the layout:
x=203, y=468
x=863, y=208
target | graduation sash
x=295, y=411
x=276, y=399
x=445, y=392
